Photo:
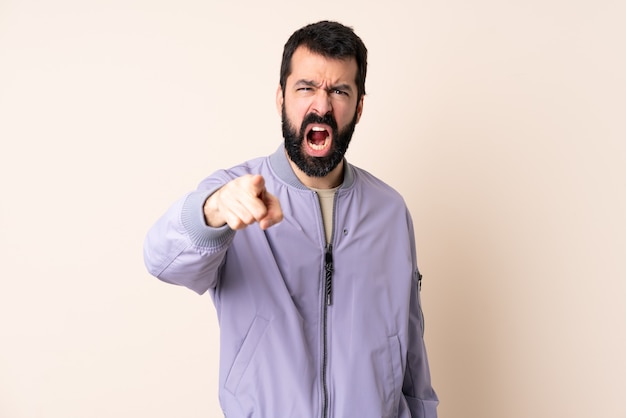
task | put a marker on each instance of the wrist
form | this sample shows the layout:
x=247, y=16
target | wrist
x=212, y=213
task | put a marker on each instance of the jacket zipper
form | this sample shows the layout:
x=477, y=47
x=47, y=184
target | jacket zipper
x=327, y=301
x=328, y=279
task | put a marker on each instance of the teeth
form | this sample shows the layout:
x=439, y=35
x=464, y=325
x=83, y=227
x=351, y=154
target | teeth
x=317, y=129
x=318, y=147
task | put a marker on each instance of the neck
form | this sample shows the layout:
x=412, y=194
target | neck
x=329, y=181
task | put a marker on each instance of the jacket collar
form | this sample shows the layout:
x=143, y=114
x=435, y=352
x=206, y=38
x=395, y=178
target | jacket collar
x=280, y=165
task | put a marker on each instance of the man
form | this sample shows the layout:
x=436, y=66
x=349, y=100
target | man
x=318, y=304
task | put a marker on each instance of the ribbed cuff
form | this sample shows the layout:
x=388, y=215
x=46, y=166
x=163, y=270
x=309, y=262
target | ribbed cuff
x=202, y=235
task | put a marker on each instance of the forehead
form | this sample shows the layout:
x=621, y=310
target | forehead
x=308, y=65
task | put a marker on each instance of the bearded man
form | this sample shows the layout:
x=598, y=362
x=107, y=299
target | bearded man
x=310, y=261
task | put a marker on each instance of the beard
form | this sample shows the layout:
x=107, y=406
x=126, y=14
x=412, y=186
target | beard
x=316, y=166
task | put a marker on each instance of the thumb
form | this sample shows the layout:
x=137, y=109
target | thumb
x=274, y=211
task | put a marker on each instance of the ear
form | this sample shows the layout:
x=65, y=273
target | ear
x=359, y=109
x=279, y=100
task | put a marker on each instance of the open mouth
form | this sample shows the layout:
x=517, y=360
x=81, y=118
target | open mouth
x=318, y=138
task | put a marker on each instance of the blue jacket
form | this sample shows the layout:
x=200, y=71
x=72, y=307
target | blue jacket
x=307, y=330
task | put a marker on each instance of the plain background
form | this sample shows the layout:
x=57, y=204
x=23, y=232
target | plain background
x=502, y=124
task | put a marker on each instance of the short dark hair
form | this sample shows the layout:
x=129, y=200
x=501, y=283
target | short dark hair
x=331, y=40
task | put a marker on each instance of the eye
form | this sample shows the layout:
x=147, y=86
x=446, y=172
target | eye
x=339, y=92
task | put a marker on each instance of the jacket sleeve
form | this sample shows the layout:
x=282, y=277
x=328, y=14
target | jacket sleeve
x=417, y=389
x=181, y=249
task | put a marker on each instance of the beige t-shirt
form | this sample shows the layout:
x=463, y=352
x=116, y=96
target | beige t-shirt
x=327, y=199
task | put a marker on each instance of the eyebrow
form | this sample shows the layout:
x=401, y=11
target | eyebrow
x=310, y=83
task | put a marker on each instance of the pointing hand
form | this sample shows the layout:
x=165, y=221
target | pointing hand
x=242, y=202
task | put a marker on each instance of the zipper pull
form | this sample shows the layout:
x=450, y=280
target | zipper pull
x=328, y=282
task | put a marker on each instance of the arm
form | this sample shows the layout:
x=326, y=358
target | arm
x=418, y=391
x=417, y=388
x=187, y=245
x=181, y=249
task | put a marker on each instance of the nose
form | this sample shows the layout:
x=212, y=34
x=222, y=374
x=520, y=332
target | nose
x=322, y=102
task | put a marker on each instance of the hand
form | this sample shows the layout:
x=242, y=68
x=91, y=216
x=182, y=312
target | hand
x=242, y=202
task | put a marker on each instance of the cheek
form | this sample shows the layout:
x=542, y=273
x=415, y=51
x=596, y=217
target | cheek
x=296, y=111
x=345, y=116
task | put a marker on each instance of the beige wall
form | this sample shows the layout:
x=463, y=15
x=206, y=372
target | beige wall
x=502, y=123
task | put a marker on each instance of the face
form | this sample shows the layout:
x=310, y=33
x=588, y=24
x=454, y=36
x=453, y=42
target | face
x=319, y=110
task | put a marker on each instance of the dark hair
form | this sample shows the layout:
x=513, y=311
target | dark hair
x=331, y=40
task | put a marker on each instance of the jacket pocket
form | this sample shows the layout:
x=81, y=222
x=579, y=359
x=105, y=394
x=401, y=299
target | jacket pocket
x=245, y=354
x=396, y=372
